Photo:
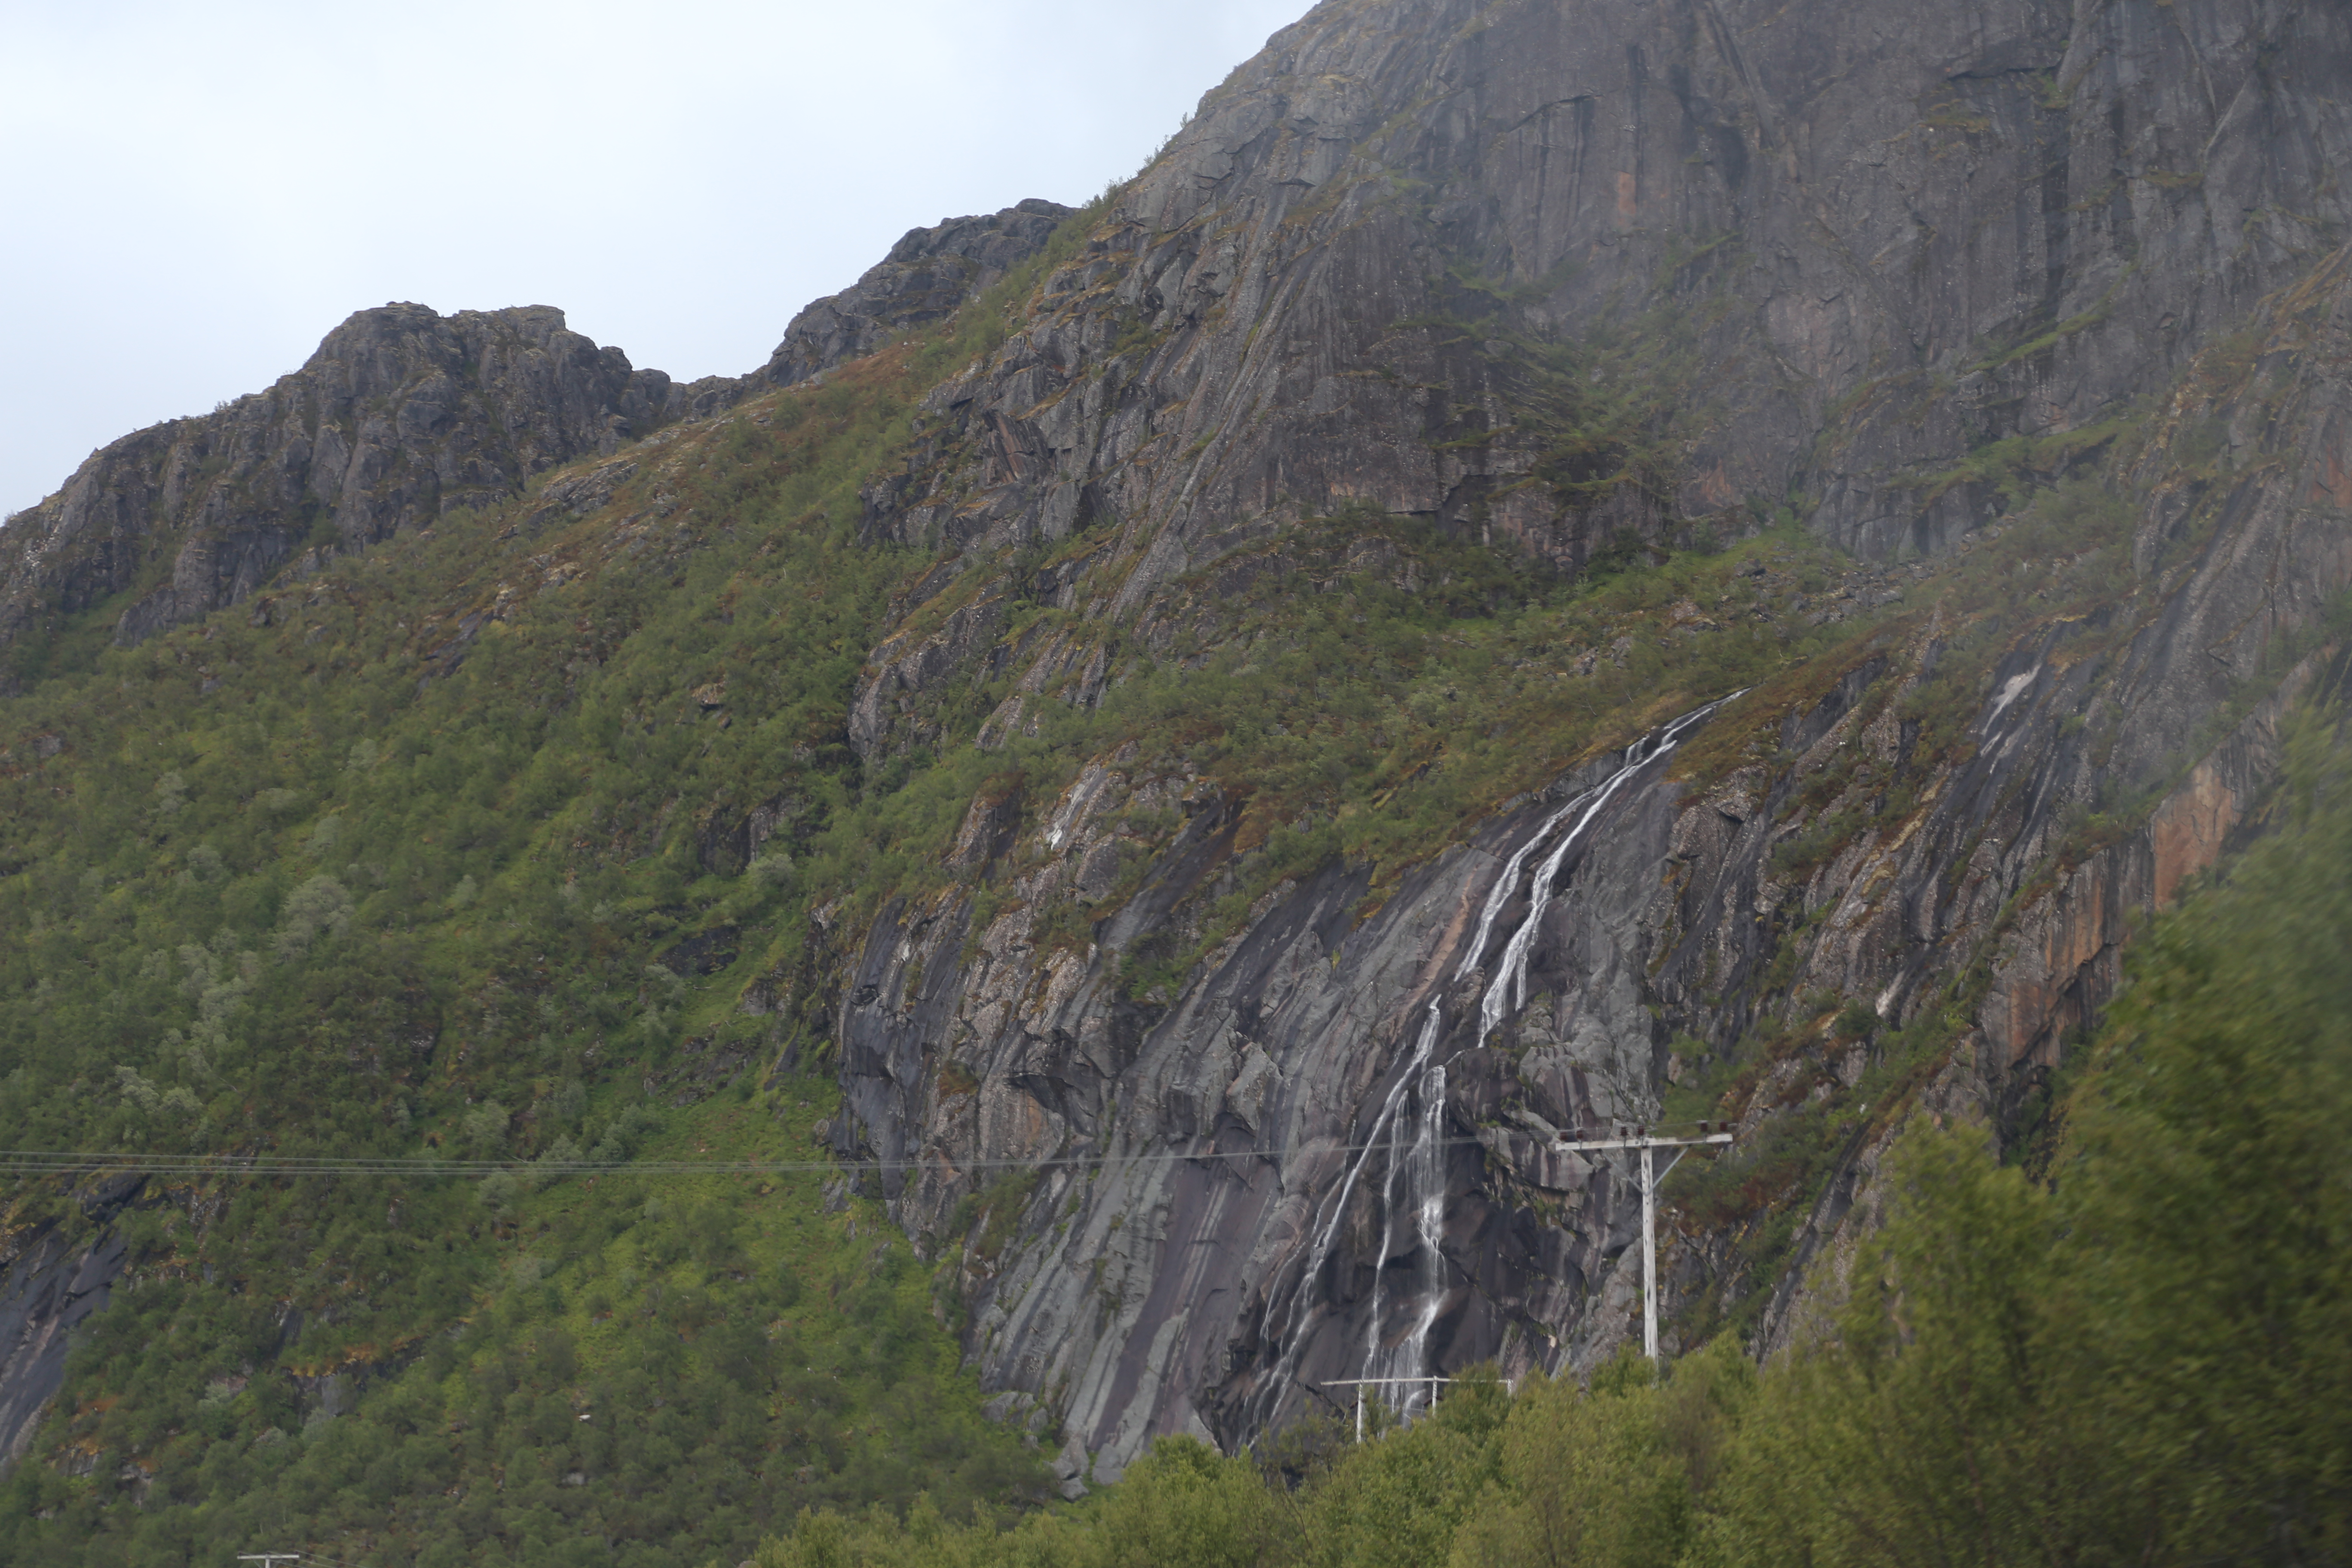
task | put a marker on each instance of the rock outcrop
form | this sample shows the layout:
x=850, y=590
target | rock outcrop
x=49, y=1284
x=402, y=417
x=928, y=275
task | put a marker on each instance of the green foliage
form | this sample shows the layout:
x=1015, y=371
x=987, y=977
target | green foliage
x=639, y=1378
x=1857, y=1021
x=2150, y=1363
x=388, y=863
x=1184, y=1505
x=1612, y=1474
x=1180, y=1506
x=1406, y=1507
x=1935, y=1417
x=1557, y=1475
x=2207, y=1177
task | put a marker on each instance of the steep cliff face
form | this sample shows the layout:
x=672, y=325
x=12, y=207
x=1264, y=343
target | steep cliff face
x=1561, y=280
x=1900, y=194
x=1544, y=272
x=48, y=1285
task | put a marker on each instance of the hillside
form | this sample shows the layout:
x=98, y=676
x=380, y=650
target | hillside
x=1038, y=872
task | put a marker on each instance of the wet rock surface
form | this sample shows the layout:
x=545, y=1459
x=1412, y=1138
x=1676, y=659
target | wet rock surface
x=49, y=1284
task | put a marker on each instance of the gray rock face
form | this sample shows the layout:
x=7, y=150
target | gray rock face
x=46, y=1288
x=402, y=417
x=1846, y=246
x=1861, y=256
x=927, y=277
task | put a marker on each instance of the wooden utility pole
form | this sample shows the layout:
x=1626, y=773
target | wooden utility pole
x=1643, y=1139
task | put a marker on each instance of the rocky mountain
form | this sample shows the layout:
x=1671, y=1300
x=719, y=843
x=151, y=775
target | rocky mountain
x=1543, y=567
x=403, y=416
x=1541, y=275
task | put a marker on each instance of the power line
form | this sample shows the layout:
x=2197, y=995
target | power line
x=87, y=1162
x=42, y=1162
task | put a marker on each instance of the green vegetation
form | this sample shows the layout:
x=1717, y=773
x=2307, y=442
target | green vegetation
x=659, y=1366
x=444, y=853
x=1554, y=1475
x=536, y=846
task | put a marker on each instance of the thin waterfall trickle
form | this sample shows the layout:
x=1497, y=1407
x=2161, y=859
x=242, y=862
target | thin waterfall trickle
x=1508, y=993
x=1415, y=1178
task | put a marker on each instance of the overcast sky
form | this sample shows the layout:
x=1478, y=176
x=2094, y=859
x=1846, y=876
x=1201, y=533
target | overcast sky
x=192, y=194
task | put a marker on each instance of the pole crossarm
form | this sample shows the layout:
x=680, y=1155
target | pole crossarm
x=1580, y=1145
x=1645, y=1142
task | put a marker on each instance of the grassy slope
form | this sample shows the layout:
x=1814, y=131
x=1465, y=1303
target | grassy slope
x=380, y=877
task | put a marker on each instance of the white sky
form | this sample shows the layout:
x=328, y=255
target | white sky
x=193, y=194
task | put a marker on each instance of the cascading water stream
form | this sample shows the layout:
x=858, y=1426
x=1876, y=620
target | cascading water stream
x=1418, y=1167
x=1432, y=1026
x=1511, y=974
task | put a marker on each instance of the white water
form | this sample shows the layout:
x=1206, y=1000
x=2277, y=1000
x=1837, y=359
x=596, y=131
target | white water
x=1415, y=1182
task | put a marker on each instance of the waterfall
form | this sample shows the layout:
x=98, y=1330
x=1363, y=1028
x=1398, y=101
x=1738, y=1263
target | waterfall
x=1509, y=993
x=1414, y=1183
x=1433, y=1025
